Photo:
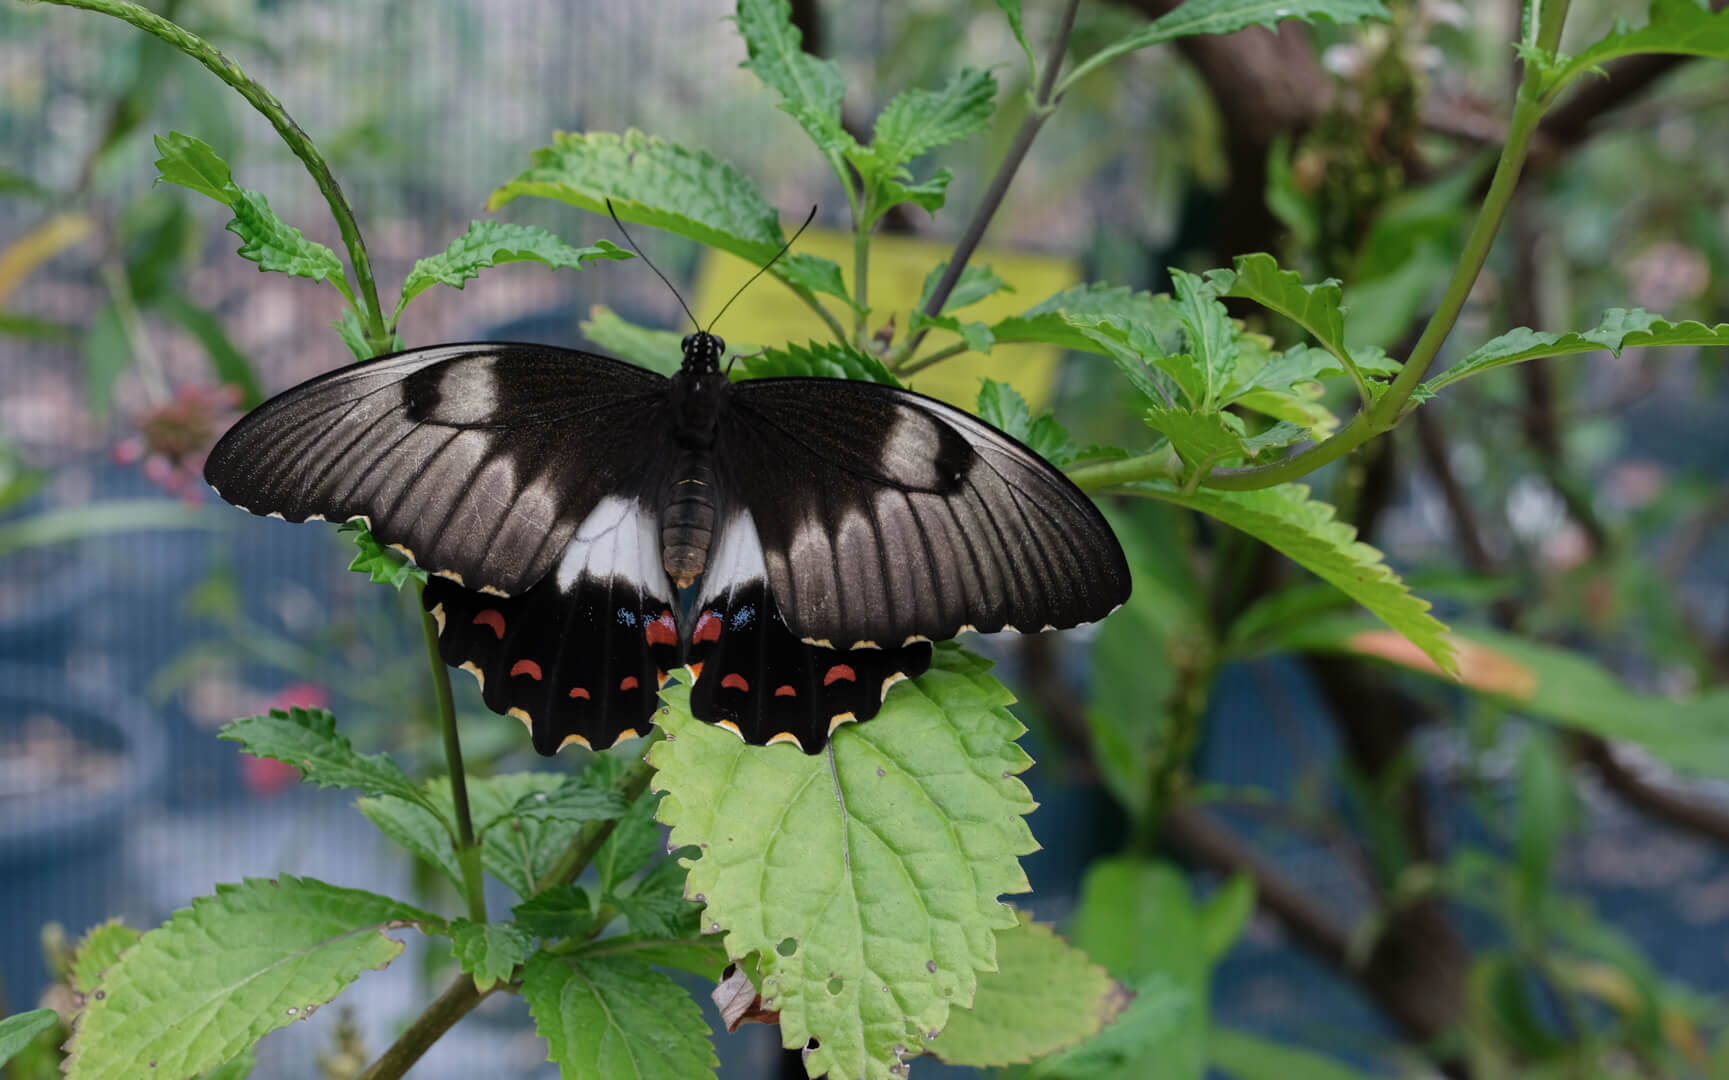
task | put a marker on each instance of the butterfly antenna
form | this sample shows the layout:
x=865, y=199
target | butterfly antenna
x=655, y=268
x=784, y=249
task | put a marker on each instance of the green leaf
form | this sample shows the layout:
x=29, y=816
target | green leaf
x=1315, y=308
x=905, y=832
x=307, y=739
x=227, y=362
x=1243, y=1056
x=1212, y=339
x=632, y=844
x=238, y=1068
x=562, y=911
x=658, y=183
x=489, y=951
x=1676, y=27
x=489, y=243
x=1201, y=439
x=812, y=272
x=1554, y=684
x=1044, y=996
x=976, y=334
x=829, y=360
x=192, y=164
x=577, y=799
x=276, y=245
x=222, y=974
x=976, y=283
x=917, y=121
x=615, y=1017
x=384, y=565
x=810, y=88
x=702, y=956
x=31, y=328
x=98, y=951
x=1225, y=914
x=1152, y=1038
x=1001, y=406
x=107, y=354
x=1306, y=531
x=929, y=194
x=353, y=334
x=656, y=350
x=1225, y=17
x=412, y=826
x=17, y=1031
x=656, y=904
x=1060, y=319
x=1012, y=12
x=518, y=851
x=1619, y=329
x=1545, y=812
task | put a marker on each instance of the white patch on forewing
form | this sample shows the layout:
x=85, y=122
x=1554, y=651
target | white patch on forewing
x=910, y=452
x=735, y=559
x=617, y=539
x=468, y=392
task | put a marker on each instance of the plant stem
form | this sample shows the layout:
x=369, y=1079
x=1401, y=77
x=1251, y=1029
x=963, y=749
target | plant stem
x=861, y=262
x=467, y=848
x=914, y=366
x=452, y=1005
x=1042, y=107
x=1109, y=474
x=588, y=839
x=265, y=102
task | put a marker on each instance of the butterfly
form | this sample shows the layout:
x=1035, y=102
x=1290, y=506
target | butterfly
x=589, y=526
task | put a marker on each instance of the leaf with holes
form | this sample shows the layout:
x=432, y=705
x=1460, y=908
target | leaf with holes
x=1044, y=996
x=232, y=968
x=613, y=1016
x=490, y=243
x=876, y=866
x=489, y=951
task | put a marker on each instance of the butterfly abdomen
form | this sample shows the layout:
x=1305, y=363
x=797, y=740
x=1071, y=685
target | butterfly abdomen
x=687, y=517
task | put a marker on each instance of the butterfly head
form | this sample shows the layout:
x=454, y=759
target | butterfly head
x=702, y=352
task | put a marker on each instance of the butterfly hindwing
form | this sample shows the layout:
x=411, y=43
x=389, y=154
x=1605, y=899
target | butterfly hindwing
x=581, y=655
x=755, y=677
x=479, y=460
x=887, y=517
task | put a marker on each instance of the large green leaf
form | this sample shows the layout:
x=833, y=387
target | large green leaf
x=308, y=740
x=1243, y=1056
x=222, y=974
x=1555, y=684
x=1048, y=322
x=864, y=879
x=614, y=1017
x=98, y=951
x=1620, y=329
x=1225, y=17
x=1044, y=996
x=1676, y=27
x=655, y=182
x=489, y=243
x=656, y=350
x=810, y=88
x=19, y=1030
x=1306, y=531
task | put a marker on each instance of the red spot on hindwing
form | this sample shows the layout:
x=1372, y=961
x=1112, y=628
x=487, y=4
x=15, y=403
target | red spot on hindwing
x=492, y=619
x=785, y=691
x=661, y=631
x=579, y=692
x=526, y=667
x=627, y=683
x=735, y=681
x=838, y=673
x=707, y=628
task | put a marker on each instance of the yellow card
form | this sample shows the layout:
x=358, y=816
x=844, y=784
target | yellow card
x=769, y=313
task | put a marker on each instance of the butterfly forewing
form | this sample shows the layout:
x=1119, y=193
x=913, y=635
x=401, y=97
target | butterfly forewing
x=886, y=516
x=480, y=460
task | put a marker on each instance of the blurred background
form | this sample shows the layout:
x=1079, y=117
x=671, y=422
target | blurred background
x=1446, y=883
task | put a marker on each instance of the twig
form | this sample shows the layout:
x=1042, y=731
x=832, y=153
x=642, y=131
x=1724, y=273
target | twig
x=467, y=848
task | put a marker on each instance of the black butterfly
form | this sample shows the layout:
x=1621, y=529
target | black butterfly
x=796, y=542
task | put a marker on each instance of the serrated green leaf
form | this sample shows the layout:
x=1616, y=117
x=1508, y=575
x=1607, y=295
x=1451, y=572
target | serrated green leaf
x=1212, y=339
x=1242, y=1056
x=615, y=1017
x=276, y=245
x=656, y=905
x=1225, y=17
x=1109, y=338
x=578, y=799
x=1002, y=406
x=518, y=851
x=20, y=1029
x=1306, y=531
x=811, y=89
x=918, y=121
x=1676, y=27
x=976, y=283
x=192, y=164
x=890, y=850
x=633, y=842
x=975, y=334
x=829, y=360
x=411, y=825
x=1045, y=995
x=1012, y=12
x=929, y=194
x=489, y=951
x=1551, y=683
x=811, y=272
x=702, y=956
x=353, y=335
x=385, y=566
x=233, y=967
x=1316, y=308
x=489, y=243
x=1061, y=320
x=656, y=350
x=307, y=739
x=1619, y=329
x=563, y=911
x=1201, y=439
x=99, y=949
x=658, y=183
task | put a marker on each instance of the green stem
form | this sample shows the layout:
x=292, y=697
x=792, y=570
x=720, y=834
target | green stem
x=915, y=366
x=1101, y=475
x=593, y=834
x=467, y=847
x=265, y=102
x=861, y=261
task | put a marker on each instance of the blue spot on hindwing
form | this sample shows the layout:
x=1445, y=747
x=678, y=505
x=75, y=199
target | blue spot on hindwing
x=626, y=617
x=742, y=617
